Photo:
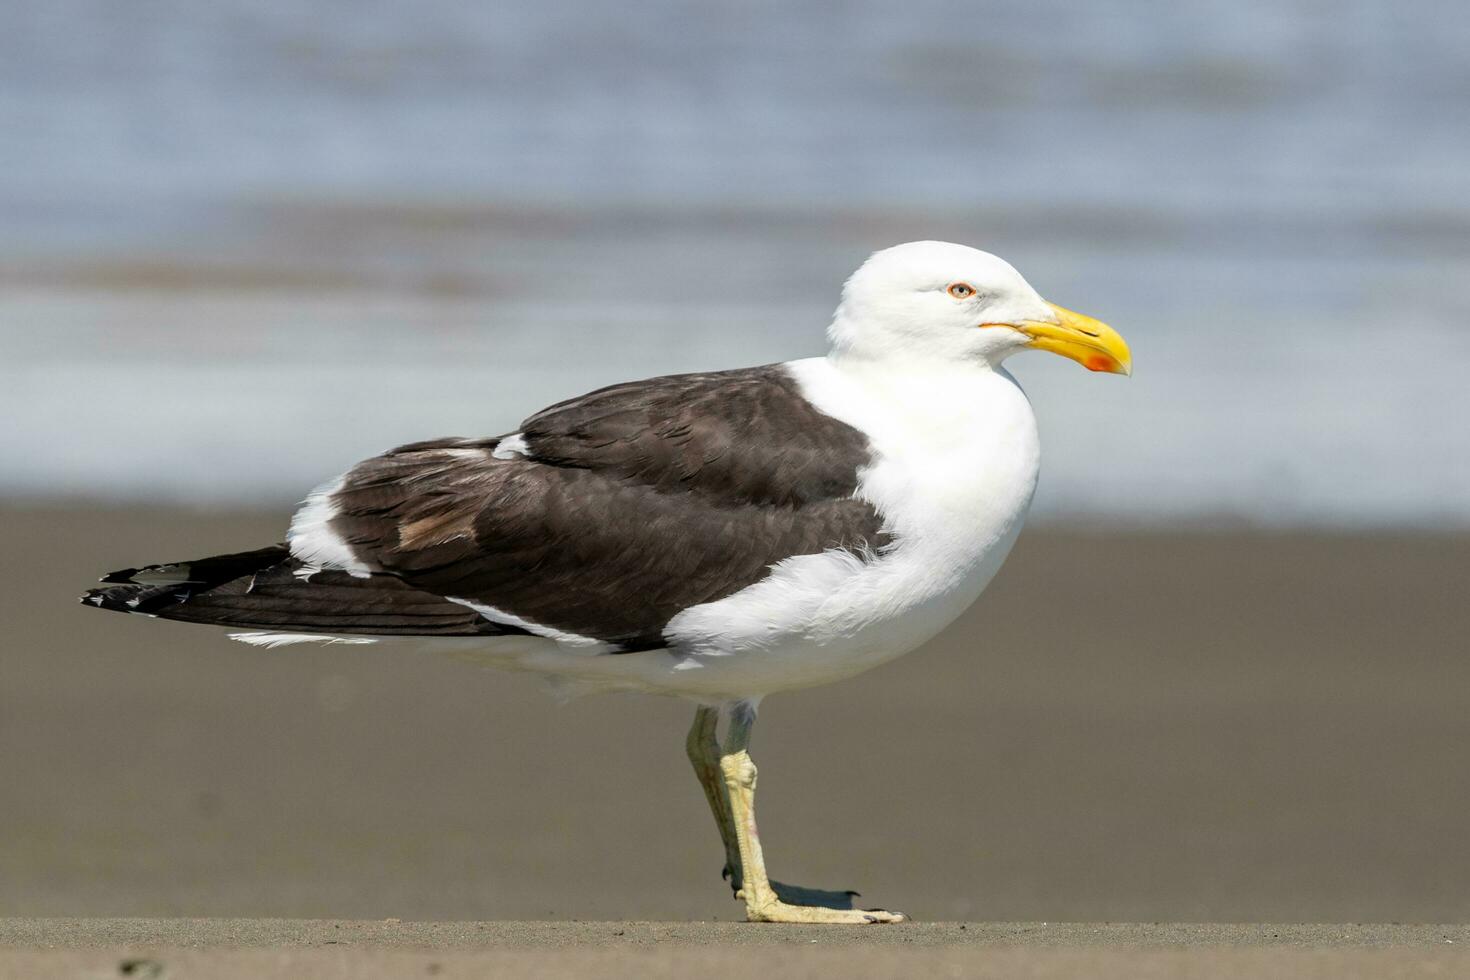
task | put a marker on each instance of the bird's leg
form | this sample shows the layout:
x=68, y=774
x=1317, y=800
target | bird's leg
x=704, y=754
x=762, y=904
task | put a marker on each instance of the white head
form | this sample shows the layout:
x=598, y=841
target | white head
x=931, y=301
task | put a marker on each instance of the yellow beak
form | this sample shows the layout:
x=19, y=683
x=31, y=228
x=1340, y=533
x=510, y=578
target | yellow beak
x=1091, y=343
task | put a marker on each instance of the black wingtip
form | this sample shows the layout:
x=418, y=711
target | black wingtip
x=124, y=577
x=135, y=598
x=114, y=599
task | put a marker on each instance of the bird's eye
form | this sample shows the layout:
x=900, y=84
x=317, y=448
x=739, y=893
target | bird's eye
x=961, y=290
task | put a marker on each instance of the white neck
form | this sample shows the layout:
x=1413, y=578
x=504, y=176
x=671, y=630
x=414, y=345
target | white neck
x=898, y=345
x=955, y=461
x=949, y=428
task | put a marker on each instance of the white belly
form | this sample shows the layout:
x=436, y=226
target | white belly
x=956, y=458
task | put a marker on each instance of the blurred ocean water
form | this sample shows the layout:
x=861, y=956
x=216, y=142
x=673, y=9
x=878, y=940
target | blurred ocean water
x=243, y=244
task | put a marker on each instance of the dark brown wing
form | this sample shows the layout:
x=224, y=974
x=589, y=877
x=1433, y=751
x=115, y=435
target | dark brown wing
x=267, y=589
x=740, y=437
x=623, y=508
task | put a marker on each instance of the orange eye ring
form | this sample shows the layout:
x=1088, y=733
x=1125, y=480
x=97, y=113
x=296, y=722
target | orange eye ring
x=961, y=290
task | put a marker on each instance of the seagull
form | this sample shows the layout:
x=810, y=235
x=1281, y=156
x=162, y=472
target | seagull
x=717, y=537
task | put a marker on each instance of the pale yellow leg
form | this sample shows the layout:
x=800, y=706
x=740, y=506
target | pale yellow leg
x=762, y=904
x=704, y=755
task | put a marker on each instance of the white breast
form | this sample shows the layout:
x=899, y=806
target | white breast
x=955, y=465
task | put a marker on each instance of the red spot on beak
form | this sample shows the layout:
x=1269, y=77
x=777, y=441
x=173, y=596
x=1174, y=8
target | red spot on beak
x=1098, y=363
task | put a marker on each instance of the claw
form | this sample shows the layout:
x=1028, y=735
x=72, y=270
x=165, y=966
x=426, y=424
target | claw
x=814, y=915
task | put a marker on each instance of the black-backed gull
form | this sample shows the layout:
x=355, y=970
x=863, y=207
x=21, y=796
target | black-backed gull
x=717, y=536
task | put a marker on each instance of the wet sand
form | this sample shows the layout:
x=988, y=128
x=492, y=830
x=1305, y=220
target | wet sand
x=31, y=933
x=270, y=948
x=1160, y=727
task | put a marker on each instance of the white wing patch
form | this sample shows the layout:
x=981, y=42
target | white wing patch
x=272, y=640
x=588, y=643
x=512, y=447
x=313, y=541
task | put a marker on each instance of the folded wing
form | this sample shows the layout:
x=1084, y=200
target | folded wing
x=607, y=515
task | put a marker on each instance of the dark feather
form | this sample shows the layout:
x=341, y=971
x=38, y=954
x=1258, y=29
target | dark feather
x=265, y=590
x=631, y=504
x=636, y=502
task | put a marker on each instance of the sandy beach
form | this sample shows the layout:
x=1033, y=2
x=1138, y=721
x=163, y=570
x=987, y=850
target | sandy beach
x=160, y=948
x=1160, y=727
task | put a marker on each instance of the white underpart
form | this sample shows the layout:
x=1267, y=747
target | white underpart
x=586, y=644
x=955, y=464
x=312, y=540
x=512, y=447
